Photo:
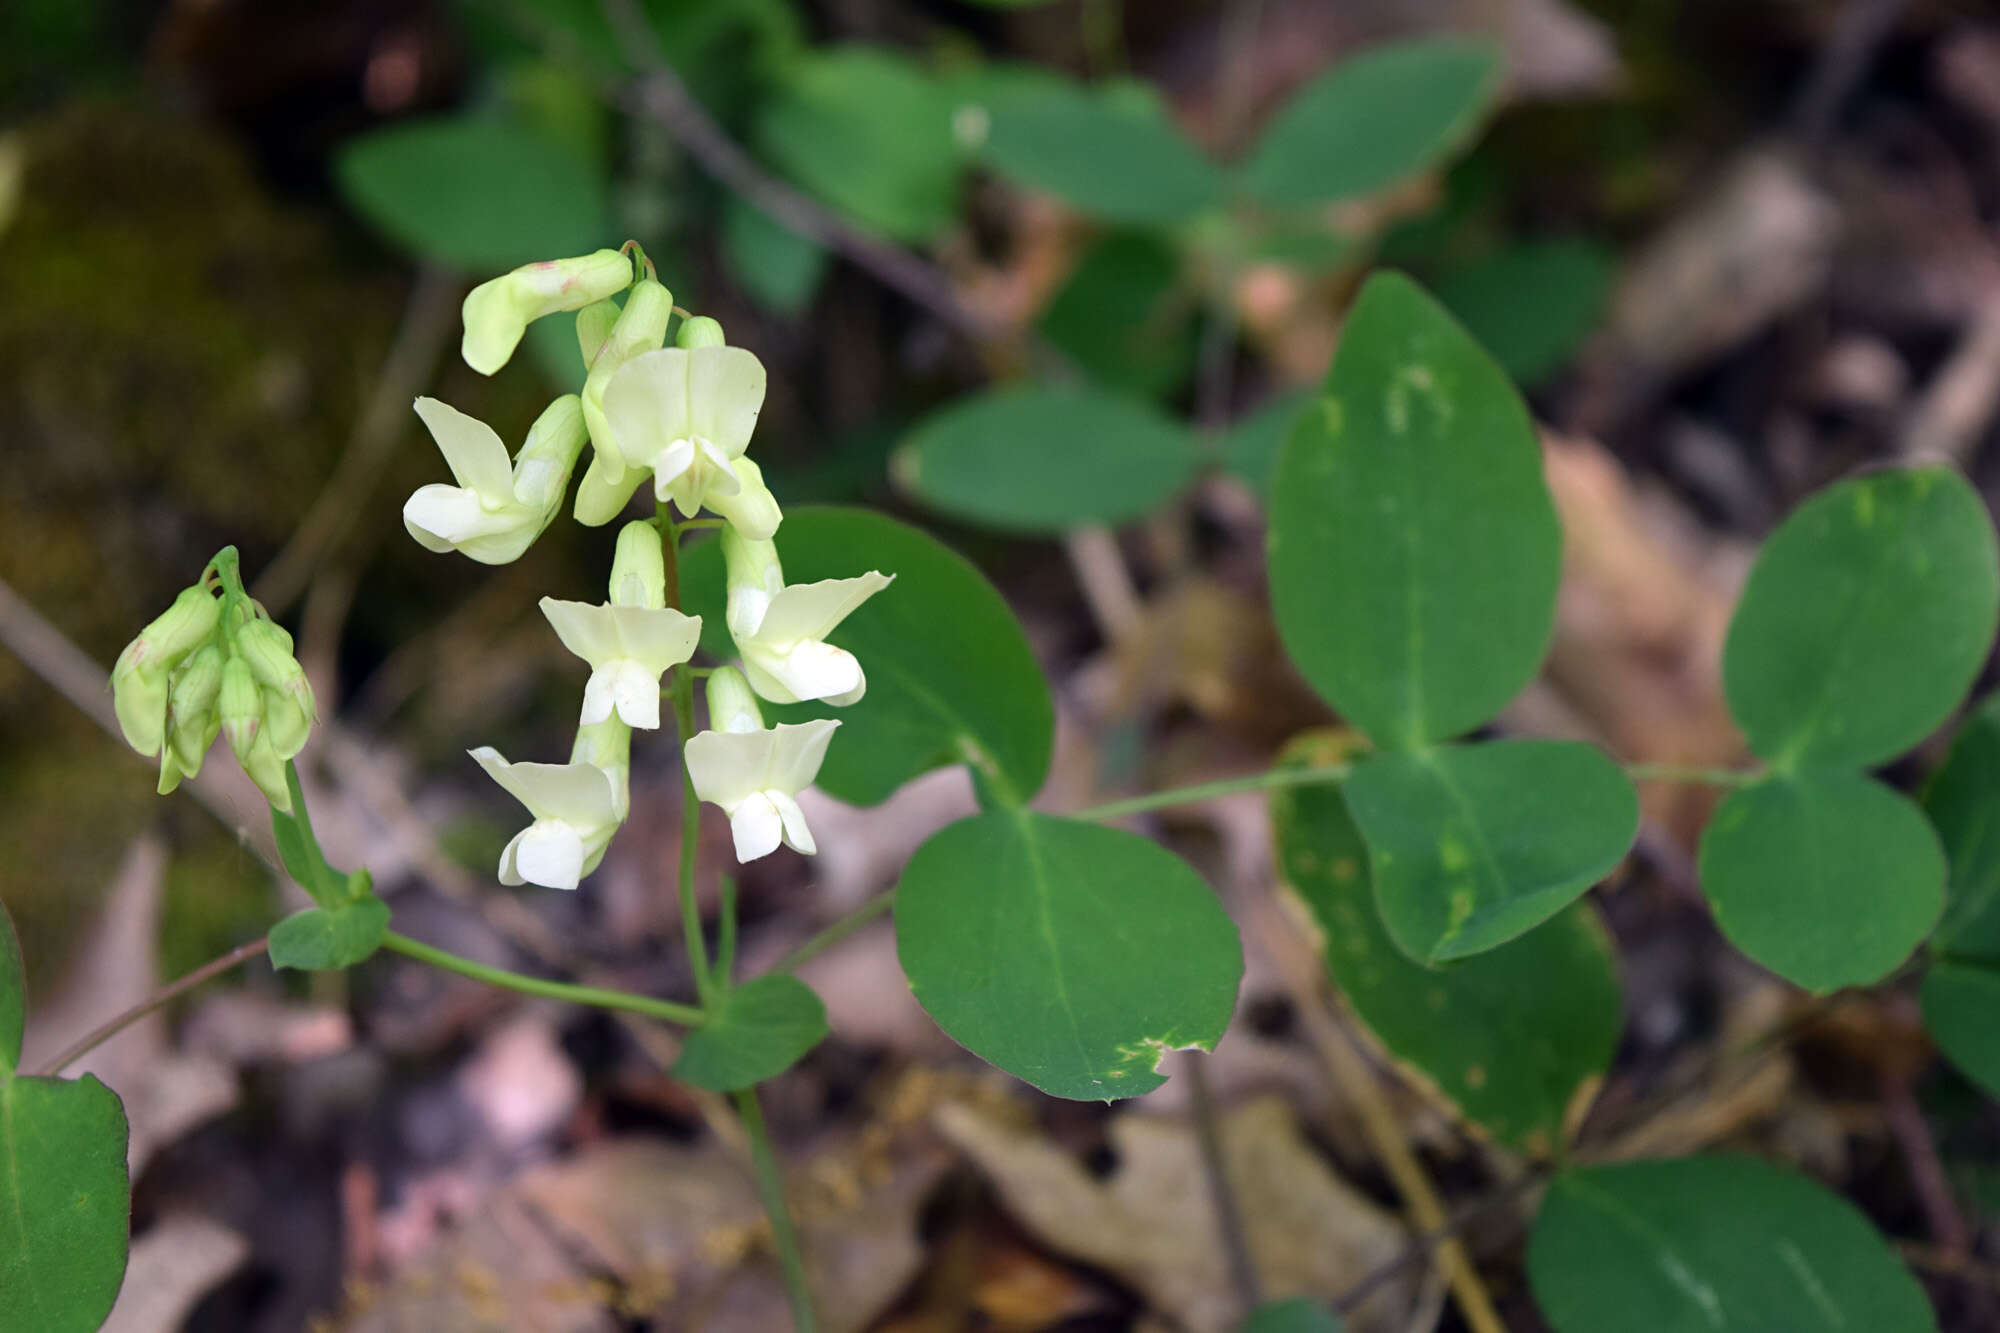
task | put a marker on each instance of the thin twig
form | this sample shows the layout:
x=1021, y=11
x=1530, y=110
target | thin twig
x=1942, y=1214
x=427, y=320
x=662, y=96
x=1221, y=1194
x=158, y=999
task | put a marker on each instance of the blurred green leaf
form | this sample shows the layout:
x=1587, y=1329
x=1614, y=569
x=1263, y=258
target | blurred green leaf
x=326, y=939
x=1510, y=1037
x=1414, y=548
x=1250, y=450
x=1374, y=119
x=1962, y=800
x=474, y=193
x=1071, y=955
x=1123, y=316
x=13, y=995
x=1045, y=459
x=65, y=1203
x=1960, y=1003
x=775, y=265
x=1829, y=879
x=1300, y=1316
x=869, y=132
x=950, y=676
x=1113, y=153
x=1721, y=1244
x=761, y=1028
x=1531, y=305
x=1472, y=845
x=1865, y=619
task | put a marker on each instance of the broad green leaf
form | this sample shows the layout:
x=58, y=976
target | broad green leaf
x=1829, y=879
x=65, y=1203
x=1513, y=1038
x=1962, y=800
x=760, y=1030
x=1124, y=317
x=13, y=996
x=1472, y=845
x=1250, y=450
x=325, y=939
x=1071, y=955
x=475, y=193
x=1300, y=1316
x=869, y=132
x=1046, y=458
x=1414, y=549
x=1866, y=617
x=1113, y=153
x=1374, y=119
x=1713, y=1244
x=1531, y=304
x=1961, y=1003
x=950, y=676
x=779, y=267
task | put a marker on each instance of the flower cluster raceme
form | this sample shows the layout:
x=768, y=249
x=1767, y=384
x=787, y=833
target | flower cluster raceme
x=680, y=417
x=215, y=664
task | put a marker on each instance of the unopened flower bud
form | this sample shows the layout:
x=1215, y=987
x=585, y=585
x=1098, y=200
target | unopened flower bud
x=732, y=707
x=241, y=706
x=638, y=569
x=192, y=722
x=498, y=311
x=754, y=578
x=701, y=331
x=593, y=329
x=139, y=679
x=266, y=767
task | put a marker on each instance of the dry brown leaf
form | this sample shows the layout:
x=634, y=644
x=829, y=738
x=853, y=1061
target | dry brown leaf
x=1149, y=1222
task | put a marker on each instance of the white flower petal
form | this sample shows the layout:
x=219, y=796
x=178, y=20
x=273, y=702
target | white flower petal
x=799, y=750
x=452, y=518
x=549, y=852
x=474, y=453
x=660, y=637
x=673, y=463
x=729, y=767
x=813, y=610
x=725, y=394
x=718, y=476
x=751, y=509
x=584, y=629
x=808, y=670
x=580, y=794
x=756, y=827
x=646, y=404
x=635, y=692
x=606, y=489
x=797, y=836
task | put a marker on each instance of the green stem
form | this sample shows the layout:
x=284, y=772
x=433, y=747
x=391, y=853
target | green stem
x=771, y=1189
x=1277, y=777
x=697, y=944
x=1712, y=777
x=838, y=931
x=1306, y=777
x=686, y=1015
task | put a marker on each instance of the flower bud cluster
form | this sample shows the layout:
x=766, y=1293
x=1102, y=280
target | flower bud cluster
x=680, y=417
x=215, y=664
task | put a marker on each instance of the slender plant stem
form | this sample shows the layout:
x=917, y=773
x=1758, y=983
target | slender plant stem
x=1711, y=777
x=1221, y=1194
x=684, y=1014
x=771, y=1189
x=838, y=931
x=1205, y=791
x=159, y=998
x=697, y=943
